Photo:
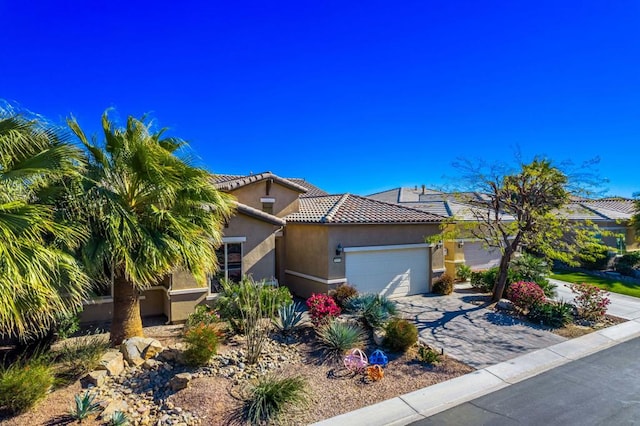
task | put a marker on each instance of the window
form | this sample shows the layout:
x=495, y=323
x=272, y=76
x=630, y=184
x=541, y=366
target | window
x=229, y=262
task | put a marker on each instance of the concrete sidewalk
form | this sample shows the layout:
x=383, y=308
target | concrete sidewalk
x=428, y=401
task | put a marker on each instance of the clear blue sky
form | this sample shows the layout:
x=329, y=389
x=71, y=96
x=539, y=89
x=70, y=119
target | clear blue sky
x=353, y=96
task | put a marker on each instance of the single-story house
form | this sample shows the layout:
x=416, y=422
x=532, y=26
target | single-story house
x=293, y=233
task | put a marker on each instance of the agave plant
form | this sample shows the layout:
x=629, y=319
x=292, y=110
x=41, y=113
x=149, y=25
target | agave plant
x=289, y=316
x=85, y=406
x=118, y=418
x=337, y=337
x=373, y=308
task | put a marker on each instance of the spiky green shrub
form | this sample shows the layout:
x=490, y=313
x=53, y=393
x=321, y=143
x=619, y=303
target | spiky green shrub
x=443, y=284
x=24, y=383
x=374, y=309
x=337, y=337
x=270, y=396
x=463, y=272
x=289, y=317
x=232, y=302
x=84, y=406
x=400, y=334
x=342, y=293
x=118, y=418
x=552, y=314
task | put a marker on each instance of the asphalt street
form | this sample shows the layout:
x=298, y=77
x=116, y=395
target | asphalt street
x=601, y=389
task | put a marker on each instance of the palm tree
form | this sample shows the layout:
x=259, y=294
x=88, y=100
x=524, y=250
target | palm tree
x=150, y=211
x=39, y=278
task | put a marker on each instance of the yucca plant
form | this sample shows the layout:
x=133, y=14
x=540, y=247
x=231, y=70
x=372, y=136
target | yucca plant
x=84, y=406
x=118, y=418
x=337, y=337
x=270, y=396
x=289, y=316
x=374, y=309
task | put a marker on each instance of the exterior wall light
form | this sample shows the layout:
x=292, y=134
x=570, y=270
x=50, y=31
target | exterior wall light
x=339, y=249
x=439, y=244
x=460, y=244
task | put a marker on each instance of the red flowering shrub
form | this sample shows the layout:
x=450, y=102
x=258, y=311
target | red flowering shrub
x=525, y=294
x=591, y=301
x=321, y=308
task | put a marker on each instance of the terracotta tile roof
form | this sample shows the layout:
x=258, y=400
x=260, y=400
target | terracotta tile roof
x=312, y=190
x=353, y=209
x=230, y=182
x=259, y=214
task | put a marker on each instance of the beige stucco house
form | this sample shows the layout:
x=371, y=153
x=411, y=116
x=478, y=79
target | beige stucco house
x=290, y=232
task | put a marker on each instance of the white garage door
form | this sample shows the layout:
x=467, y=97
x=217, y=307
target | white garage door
x=478, y=257
x=390, y=271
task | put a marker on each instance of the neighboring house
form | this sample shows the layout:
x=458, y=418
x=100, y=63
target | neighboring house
x=293, y=233
x=462, y=250
x=609, y=214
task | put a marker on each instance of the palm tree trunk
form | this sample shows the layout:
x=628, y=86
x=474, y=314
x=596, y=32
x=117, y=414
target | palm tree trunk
x=126, y=321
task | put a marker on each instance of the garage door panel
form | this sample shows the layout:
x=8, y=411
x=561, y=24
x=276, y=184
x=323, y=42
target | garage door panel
x=478, y=257
x=391, y=272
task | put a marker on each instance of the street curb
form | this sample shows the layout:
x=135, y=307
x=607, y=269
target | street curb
x=410, y=407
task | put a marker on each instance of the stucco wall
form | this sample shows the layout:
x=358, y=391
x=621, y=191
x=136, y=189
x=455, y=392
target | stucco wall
x=259, y=250
x=184, y=304
x=152, y=303
x=311, y=249
x=286, y=200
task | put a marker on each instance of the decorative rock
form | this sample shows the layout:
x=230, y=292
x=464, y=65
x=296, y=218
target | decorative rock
x=94, y=378
x=378, y=336
x=505, y=305
x=112, y=361
x=115, y=405
x=179, y=381
x=136, y=349
x=151, y=364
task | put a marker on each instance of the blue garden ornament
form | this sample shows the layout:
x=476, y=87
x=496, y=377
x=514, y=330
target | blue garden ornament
x=378, y=358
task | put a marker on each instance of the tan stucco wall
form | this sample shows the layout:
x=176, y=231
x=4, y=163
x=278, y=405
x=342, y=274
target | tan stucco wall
x=182, y=279
x=152, y=303
x=454, y=257
x=184, y=304
x=259, y=251
x=303, y=287
x=306, y=249
x=286, y=200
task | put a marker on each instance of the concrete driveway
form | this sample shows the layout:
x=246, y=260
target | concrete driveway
x=461, y=325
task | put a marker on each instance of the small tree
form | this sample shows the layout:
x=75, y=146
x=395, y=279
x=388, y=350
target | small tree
x=635, y=219
x=511, y=209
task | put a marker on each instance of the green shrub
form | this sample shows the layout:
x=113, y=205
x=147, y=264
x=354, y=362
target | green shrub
x=527, y=267
x=230, y=306
x=24, y=383
x=80, y=355
x=342, y=293
x=203, y=314
x=84, y=406
x=400, y=334
x=289, y=316
x=484, y=280
x=594, y=256
x=552, y=314
x=463, y=272
x=427, y=355
x=374, y=309
x=628, y=263
x=443, y=284
x=202, y=343
x=337, y=337
x=66, y=325
x=270, y=396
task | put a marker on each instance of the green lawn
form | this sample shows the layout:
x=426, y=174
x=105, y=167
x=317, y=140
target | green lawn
x=608, y=284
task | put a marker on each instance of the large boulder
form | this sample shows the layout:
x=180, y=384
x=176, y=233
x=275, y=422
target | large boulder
x=112, y=361
x=112, y=407
x=136, y=349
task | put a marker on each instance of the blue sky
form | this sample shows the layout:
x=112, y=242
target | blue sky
x=353, y=96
